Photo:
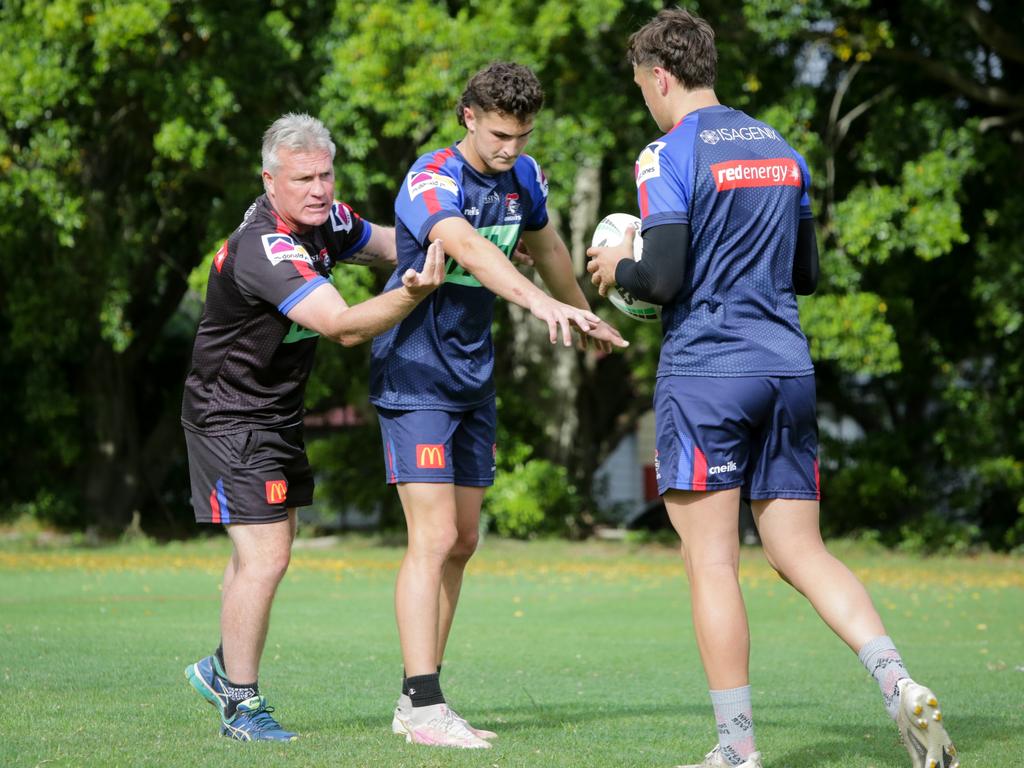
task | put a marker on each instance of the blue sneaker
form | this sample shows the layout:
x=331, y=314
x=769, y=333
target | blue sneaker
x=252, y=721
x=207, y=677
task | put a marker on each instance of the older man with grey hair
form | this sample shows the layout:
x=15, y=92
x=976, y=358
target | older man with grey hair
x=268, y=299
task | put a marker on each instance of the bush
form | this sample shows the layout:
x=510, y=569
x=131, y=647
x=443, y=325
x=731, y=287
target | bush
x=535, y=496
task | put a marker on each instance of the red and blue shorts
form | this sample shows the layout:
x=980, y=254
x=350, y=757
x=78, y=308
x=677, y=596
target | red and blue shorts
x=440, y=446
x=759, y=433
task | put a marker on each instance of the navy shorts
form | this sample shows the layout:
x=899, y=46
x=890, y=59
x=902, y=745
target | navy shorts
x=440, y=446
x=254, y=476
x=759, y=433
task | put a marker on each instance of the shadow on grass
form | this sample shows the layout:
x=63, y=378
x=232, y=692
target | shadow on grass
x=513, y=719
x=878, y=743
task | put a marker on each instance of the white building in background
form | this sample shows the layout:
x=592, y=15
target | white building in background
x=625, y=483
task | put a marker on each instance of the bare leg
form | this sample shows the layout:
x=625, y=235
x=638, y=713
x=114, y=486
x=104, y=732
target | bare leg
x=792, y=542
x=258, y=563
x=467, y=523
x=708, y=525
x=430, y=516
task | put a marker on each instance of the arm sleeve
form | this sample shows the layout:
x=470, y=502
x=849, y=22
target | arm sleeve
x=275, y=268
x=660, y=274
x=429, y=194
x=345, y=233
x=805, y=261
x=532, y=179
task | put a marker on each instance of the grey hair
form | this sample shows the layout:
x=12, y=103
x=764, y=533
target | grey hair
x=297, y=132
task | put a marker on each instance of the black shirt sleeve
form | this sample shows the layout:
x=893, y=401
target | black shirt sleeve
x=659, y=275
x=805, y=262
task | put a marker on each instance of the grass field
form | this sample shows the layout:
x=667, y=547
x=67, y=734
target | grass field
x=578, y=654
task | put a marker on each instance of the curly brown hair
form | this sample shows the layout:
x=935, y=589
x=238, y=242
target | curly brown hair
x=504, y=87
x=682, y=43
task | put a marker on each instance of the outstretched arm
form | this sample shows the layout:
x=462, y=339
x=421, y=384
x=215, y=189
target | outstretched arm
x=325, y=312
x=482, y=259
x=553, y=263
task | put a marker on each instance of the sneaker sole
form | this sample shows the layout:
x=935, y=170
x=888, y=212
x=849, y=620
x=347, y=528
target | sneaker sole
x=237, y=734
x=922, y=731
x=416, y=738
x=399, y=730
x=202, y=688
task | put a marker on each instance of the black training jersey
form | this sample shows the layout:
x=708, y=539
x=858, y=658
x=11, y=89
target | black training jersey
x=250, y=362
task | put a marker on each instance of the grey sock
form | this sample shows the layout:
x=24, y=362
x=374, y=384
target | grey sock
x=880, y=657
x=735, y=720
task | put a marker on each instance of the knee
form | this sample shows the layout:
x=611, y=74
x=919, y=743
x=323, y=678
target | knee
x=465, y=545
x=436, y=543
x=713, y=564
x=269, y=569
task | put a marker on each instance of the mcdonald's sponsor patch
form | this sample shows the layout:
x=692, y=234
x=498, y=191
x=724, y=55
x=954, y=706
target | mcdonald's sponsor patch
x=429, y=456
x=277, y=491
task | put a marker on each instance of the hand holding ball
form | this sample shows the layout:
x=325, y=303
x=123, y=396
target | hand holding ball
x=609, y=232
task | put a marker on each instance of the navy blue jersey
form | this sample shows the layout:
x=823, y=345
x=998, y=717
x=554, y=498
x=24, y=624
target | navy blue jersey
x=742, y=190
x=250, y=362
x=441, y=357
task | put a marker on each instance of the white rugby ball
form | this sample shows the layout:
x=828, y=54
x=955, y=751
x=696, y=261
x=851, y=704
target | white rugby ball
x=610, y=231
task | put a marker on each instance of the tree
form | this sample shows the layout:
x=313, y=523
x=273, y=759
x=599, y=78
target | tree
x=128, y=149
x=129, y=136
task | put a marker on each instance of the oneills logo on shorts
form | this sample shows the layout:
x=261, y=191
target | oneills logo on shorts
x=429, y=456
x=277, y=491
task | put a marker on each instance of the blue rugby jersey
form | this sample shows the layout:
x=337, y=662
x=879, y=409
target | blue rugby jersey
x=441, y=357
x=742, y=190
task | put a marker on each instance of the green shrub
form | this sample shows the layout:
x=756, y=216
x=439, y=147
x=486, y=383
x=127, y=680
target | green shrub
x=534, y=496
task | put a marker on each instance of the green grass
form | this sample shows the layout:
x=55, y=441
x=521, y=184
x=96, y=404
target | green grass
x=578, y=654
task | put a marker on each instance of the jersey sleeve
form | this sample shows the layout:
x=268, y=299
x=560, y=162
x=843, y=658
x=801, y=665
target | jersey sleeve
x=805, y=196
x=346, y=234
x=430, y=192
x=275, y=268
x=664, y=177
x=533, y=180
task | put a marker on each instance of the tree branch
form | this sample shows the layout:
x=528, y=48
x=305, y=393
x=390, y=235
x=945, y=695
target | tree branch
x=986, y=94
x=998, y=121
x=990, y=33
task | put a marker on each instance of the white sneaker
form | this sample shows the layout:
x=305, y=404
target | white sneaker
x=920, y=722
x=403, y=709
x=714, y=759
x=436, y=726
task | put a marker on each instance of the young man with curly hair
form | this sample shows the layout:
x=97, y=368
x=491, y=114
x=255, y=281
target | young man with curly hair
x=431, y=376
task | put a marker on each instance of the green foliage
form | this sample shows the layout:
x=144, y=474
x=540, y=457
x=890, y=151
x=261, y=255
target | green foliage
x=531, y=496
x=934, y=533
x=129, y=140
x=851, y=331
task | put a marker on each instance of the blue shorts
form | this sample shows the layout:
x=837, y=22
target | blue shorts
x=440, y=446
x=759, y=433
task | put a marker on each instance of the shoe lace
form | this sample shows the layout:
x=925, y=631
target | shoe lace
x=263, y=720
x=451, y=723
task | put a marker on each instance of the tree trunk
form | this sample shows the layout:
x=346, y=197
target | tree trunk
x=112, y=481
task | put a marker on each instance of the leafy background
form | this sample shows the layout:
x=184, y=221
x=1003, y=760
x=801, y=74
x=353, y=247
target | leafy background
x=129, y=148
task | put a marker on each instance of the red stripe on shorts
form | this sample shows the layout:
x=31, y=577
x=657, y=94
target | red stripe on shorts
x=700, y=470
x=214, y=506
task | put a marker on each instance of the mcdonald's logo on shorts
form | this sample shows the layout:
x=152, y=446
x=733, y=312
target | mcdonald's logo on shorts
x=429, y=456
x=277, y=491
